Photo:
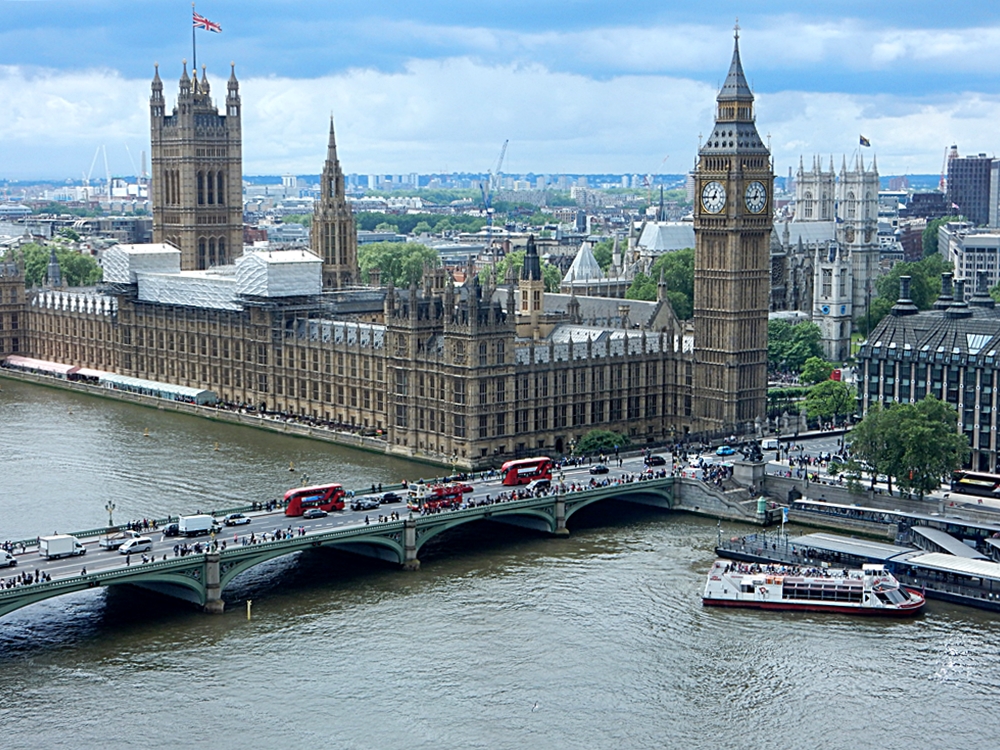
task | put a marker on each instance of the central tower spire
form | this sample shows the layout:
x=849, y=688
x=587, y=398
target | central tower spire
x=333, y=236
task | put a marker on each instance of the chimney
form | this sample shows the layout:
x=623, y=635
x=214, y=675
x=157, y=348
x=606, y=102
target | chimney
x=981, y=297
x=959, y=308
x=904, y=305
x=943, y=301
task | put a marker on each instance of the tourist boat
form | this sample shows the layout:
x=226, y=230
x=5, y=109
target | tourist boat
x=869, y=591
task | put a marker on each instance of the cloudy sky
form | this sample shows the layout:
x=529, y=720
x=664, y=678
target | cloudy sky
x=575, y=85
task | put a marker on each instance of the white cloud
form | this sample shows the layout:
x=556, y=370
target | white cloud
x=773, y=43
x=453, y=115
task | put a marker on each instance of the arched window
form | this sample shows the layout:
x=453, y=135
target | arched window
x=219, y=193
x=851, y=208
x=222, y=251
x=211, y=252
x=201, y=254
x=211, y=188
x=201, y=188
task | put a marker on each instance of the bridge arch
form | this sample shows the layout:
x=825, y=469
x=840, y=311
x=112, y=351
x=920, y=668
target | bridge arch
x=539, y=521
x=655, y=497
x=245, y=558
x=180, y=584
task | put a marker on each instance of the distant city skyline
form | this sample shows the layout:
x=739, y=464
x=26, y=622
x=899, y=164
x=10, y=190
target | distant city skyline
x=438, y=87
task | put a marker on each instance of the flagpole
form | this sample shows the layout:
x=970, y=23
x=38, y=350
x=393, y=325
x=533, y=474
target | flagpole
x=194, y=48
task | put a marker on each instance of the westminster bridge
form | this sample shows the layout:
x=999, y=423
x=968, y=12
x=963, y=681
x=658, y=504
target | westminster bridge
x=201, y=577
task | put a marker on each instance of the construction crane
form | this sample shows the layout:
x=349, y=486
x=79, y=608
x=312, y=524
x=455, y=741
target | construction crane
x=87, y=175
x=487, y=188
x=648, y=180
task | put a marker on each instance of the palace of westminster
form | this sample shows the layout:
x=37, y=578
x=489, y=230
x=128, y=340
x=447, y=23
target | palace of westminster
x=456, y=373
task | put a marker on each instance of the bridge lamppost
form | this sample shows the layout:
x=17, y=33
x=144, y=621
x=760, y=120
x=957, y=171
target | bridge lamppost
x=110, y=508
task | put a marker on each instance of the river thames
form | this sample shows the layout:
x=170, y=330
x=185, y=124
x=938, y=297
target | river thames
x=503, y=639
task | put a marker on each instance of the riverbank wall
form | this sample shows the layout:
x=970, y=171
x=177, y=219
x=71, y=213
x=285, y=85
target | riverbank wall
x=272, y=424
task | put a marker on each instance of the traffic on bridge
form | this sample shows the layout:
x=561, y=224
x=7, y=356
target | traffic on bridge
x=171, y=555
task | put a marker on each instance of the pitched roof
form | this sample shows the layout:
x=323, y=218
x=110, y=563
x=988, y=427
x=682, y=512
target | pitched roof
x=584, y=267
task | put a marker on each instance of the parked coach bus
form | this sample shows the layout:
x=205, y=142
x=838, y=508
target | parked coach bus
x=525, y=470
x=326, y=496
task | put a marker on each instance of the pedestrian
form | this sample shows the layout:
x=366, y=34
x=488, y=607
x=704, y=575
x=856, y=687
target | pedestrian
x=128, y=558
x=366, y=521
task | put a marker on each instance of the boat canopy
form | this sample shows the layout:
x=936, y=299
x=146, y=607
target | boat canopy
x=942, y=563
x=947, y=543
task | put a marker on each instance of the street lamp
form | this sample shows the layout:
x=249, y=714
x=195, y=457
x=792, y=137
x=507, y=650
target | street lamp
x=110, y=508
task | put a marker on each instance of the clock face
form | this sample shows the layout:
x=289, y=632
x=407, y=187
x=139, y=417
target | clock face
x=713, y=197
x=849, y=234
x=755, y=197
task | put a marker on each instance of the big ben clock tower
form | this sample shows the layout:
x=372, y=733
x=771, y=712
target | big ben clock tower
x=733, y=208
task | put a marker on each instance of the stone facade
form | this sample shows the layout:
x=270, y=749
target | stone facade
x=196, y=187
x=733, y=219
x=334, y=238
x=12, y=309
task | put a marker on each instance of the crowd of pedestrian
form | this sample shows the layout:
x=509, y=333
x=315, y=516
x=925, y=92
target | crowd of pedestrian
x=24, y=578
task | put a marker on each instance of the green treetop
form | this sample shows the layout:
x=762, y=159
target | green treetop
x=403, y=262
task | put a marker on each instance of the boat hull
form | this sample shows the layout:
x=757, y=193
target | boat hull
x=907, y=610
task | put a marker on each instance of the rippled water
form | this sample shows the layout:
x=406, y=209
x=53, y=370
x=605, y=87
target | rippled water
x=504, y=639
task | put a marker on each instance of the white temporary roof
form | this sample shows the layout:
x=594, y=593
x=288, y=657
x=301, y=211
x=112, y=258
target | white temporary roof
x=952, y=564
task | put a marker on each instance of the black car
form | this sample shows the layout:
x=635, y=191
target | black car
x=390, y=497
x=364, y=503
x=171, y=529
x=314, y=513
x=656, y=461
x=599, y=469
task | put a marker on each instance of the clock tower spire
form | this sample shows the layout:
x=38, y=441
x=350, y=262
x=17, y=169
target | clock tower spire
x=732, y=223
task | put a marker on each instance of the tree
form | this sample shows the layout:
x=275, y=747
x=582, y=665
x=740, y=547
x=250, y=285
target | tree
x=929, y=238
x=603, y=253
x=925, y=286
x=917, y=444
x=677, y=268
x=77, y=269
x=932, y=447
x=816, y=370
x=789, y=345
x=403, y=262
x=386, y=227
x=422, y=227
x=830, y=399
x=303, y=219
x=600, y=441
x=925, y=281
x=872, y=451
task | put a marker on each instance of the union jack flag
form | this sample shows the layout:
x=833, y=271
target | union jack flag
x=200, y=22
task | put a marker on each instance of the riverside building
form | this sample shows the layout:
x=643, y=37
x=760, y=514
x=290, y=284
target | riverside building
x=465, y=375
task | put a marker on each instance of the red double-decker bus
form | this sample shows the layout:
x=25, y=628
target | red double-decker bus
x=525, y=470
x=326, y=496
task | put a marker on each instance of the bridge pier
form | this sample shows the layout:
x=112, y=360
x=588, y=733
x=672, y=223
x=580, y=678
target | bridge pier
x=561, y=529
x=213, y=588
x=410, y=561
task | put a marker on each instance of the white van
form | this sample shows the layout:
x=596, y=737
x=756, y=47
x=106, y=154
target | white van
x=137, y=545
x=769, y=444
x=7, y=560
